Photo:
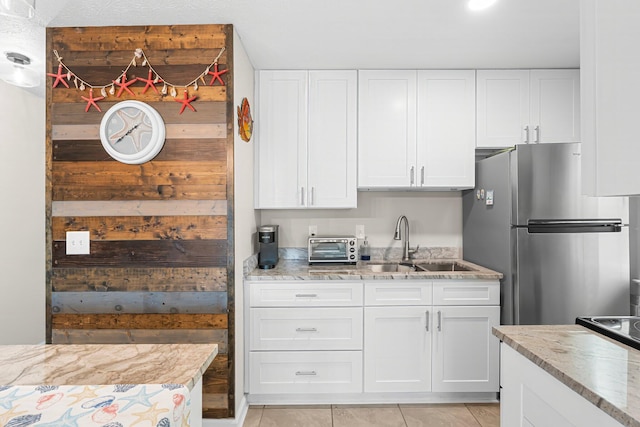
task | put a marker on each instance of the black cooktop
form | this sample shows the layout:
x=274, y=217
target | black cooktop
x=624, y=329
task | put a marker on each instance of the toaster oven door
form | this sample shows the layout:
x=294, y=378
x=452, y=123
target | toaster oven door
x=328, y=251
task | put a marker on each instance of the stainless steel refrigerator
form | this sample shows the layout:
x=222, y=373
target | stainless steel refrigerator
x=562, y=254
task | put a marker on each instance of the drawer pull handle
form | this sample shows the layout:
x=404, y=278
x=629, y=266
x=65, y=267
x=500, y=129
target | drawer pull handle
x=306, y=295
x=427, y=316
x=306, y=330
x=307, y=373
x=439, y=321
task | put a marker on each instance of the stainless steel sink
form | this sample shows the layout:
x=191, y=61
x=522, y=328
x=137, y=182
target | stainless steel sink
x=391, y=268
x=442, y=266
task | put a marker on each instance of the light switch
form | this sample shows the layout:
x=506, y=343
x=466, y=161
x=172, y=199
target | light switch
x=78, y=243
x=489, y=199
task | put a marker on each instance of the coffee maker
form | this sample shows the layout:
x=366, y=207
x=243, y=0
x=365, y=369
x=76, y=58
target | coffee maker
x=267, y=246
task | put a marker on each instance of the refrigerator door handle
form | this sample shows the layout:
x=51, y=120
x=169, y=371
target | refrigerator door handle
x=605, y=225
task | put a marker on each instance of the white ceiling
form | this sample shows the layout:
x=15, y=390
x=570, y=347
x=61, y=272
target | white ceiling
x=348, y=34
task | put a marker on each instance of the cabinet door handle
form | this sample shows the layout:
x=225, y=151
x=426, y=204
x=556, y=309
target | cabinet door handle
x=306, y=295
x=427, y=327
x=310, y=373
x=302, y=196
x=313, y=195
x=422, y=175
x=439, y=321
x=526, y=135
x=306, y=330
x=412, y=174
x=536, y=133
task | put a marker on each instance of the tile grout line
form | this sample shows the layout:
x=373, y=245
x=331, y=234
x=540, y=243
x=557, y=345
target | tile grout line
x=406, y=424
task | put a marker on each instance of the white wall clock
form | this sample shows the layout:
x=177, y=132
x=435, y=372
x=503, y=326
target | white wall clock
x=132, y=132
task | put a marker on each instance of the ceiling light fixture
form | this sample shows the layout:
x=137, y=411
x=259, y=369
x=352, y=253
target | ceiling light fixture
x=16, y=71
x=480, y=4
x=18, y=8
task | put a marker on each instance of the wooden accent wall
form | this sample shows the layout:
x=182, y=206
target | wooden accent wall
x=161, y=262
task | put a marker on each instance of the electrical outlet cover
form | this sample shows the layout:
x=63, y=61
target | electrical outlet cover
x=78, y=243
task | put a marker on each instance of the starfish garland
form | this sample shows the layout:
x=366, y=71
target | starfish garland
x=123, y=84
x=186, y=101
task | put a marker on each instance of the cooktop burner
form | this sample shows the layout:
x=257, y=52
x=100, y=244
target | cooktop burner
x=624, y=329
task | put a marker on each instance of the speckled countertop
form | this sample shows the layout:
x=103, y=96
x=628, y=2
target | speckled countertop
x=599, y=369
x=301, y=270
x=101, y=364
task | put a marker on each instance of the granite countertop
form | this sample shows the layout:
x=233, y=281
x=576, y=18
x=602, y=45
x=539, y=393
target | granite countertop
x=301, y=270
x=601, y=370
x=93, y=364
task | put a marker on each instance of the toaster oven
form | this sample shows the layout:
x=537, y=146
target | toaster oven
x=333, y=249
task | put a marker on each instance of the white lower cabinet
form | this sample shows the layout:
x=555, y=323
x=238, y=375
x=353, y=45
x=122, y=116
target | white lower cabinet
x=531, y=397
x=465, y=352
x=373, y=341
x=397, y=349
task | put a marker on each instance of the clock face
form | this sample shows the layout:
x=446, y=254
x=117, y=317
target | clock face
x=132, y=132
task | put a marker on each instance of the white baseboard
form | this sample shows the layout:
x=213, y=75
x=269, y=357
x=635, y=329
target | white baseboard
x=241, y=414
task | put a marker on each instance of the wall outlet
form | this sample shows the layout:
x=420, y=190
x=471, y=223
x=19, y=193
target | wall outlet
x=78, y=243
x=360, y=232
x=313, y=230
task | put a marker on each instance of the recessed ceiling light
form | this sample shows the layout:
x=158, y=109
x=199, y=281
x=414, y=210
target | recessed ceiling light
x=480, y=4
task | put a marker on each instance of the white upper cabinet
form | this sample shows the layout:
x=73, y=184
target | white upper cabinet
x=609, y=34
x=387, y=128
x=306, y=146
x=416, y=129
x=527, y=107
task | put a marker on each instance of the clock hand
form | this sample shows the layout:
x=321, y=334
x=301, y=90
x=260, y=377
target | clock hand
x=128, y=132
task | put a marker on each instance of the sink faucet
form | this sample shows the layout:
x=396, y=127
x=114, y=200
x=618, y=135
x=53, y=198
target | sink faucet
x=407, y=252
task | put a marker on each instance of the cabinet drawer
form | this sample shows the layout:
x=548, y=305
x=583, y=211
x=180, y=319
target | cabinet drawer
x=304, y=294
x=472, y=292
x=305, y=372
x=398, y=292
x=306, y=328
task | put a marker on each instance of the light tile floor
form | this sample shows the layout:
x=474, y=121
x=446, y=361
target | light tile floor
x=427, y=415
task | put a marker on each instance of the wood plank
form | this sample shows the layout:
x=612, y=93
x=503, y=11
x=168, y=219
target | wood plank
x=121, y=58
x=173, y=131
x=141, y=336
x=208, y=113
x=213, y=401
x=145, y=253
x=95, y=174
x=143, y=227
x=139, y=321
x=139, y=207
x=139, y=279
x=215, y=378
x=186, y=150
x=139, y=302
x=142, y=192
x=129, y=38
x=204, y=93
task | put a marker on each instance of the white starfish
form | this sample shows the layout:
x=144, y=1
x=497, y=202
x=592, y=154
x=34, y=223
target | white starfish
x=133, y=126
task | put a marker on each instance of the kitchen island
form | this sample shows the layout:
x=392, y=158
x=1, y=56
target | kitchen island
x=567, y=375
x=116, y=384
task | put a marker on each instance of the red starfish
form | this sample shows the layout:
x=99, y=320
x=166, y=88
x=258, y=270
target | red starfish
x=150, y=83
x=186, y=101
x=124, y=85
x=216, y=74
x=92, y=101
x=59, y=77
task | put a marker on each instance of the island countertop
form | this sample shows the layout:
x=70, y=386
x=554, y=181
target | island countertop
x=601, y=370
x=301, y=270
x=91, y=364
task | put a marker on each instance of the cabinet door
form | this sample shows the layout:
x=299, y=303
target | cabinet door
x=281, y=148
x=555, y=105
x=502, y=108
x=446, y=129
x=397, y=349
x=386, y=128
x=332, y=139
x=465, y=352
